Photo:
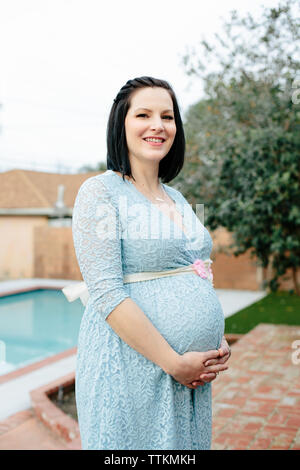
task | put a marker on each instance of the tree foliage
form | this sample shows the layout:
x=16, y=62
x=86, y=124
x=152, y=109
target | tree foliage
x=243, y=139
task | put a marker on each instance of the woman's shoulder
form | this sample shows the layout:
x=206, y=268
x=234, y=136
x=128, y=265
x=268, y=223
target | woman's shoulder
x=101, y=179
x=97, y=186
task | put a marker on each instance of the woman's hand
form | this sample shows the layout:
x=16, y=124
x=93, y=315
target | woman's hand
x=224, y=355
x=190, y=365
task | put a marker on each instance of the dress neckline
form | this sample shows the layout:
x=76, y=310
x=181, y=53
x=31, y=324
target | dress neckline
x=185, y=234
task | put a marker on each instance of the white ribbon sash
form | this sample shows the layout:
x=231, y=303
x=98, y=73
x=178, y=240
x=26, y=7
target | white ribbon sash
x=199, y=267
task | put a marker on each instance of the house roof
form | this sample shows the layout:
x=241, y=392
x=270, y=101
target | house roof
x=37, y=189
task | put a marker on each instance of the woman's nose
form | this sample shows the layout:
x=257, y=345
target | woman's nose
x=158, y=124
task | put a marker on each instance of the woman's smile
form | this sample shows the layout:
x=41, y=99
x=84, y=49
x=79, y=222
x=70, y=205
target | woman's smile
x=154, y=144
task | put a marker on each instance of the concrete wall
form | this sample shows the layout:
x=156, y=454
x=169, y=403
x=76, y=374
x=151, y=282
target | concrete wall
x=17, y=245
x=54, y=254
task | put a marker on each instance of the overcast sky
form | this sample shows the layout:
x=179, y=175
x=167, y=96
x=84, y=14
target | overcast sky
x=63, y=61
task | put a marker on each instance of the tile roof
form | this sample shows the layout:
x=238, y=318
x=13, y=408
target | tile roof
x=37, y=189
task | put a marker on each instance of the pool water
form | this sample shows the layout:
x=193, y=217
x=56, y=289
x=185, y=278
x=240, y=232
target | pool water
x=35, y=325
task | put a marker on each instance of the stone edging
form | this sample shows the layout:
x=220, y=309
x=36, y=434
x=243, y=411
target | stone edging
x=52, y=416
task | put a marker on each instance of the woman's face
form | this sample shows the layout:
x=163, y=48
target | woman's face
x=157, y=120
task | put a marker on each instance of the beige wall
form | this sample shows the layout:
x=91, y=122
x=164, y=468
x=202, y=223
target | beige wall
x=54, y=254
x=31, y=248
x=240, y=272
x=17, y=246
x=232, y=272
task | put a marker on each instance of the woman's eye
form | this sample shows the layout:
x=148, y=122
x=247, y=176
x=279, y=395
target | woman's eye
x=168, y=117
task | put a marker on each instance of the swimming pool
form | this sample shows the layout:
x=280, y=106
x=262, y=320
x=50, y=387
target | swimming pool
x=35, y=325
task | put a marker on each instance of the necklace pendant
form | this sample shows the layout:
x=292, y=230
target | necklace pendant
x=159, y=199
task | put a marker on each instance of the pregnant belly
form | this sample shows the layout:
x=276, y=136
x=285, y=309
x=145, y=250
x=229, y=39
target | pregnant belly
x=185, y=309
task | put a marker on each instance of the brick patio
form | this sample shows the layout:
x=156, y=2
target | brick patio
x=256, y=402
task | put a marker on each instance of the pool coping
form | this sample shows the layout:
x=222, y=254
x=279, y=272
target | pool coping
x=14, y=374
x=55, y=284
x=230, y=338
x=18, y=286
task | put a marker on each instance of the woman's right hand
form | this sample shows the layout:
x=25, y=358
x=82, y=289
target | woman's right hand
x=190, y=366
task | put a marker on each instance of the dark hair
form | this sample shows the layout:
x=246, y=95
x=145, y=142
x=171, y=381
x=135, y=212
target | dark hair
x=117, y=151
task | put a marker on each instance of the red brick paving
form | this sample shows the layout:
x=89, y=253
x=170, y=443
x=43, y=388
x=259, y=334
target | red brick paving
x=256, y=402
x=23, y=431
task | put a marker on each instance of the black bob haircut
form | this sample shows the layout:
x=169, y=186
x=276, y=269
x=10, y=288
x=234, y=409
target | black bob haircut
x=117, y=151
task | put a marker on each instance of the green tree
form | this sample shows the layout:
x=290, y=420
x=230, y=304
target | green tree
x=243, y=139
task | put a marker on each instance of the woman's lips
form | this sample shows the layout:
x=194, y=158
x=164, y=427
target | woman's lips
x=154, y=144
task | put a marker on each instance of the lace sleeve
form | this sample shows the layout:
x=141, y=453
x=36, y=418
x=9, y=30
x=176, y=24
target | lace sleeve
x=95, y=229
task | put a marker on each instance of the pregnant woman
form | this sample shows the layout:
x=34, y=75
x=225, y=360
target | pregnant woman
x=151, y=339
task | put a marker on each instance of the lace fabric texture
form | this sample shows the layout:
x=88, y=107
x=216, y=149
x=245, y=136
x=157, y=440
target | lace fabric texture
x=200, y=267
x=125, y=401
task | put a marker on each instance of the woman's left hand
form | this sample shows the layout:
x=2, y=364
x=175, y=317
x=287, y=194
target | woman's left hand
x=225, y=353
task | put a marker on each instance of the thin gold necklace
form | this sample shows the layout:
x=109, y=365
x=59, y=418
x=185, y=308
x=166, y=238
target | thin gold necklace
x=158, y=198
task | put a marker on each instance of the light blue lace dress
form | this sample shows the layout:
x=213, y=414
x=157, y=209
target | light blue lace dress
x=125, y=401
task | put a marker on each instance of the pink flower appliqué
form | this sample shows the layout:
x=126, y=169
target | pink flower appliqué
x=200, y=269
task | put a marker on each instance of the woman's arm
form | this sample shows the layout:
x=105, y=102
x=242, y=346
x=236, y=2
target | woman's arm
x=95, y=228
x=134, y=327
